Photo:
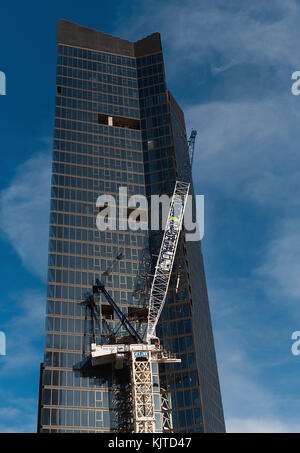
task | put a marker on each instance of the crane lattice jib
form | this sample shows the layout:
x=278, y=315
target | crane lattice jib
x=164, y=265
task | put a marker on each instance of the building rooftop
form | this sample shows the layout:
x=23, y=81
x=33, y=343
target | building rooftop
x=76, y=35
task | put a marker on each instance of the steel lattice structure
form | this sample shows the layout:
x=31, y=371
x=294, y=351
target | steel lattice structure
x=164, y=265
x=142, y=392
x=166, y=410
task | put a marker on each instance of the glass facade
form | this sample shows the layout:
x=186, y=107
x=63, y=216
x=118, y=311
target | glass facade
x=116, y=125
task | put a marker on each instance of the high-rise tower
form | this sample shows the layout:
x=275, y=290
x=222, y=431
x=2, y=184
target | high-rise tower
x=117, y=125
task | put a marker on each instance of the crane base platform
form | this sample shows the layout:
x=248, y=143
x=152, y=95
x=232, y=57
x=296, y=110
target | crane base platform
x=118, y=354
x=140, y=358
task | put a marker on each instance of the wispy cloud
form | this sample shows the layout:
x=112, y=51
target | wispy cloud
x=247, y=150
x=236, y=90
x=24, y=212
x=281, y=264
x=225, y=32
x=261, y=425
x=243, y=28
x=24, y=331
x=18, y=414
x=249, y=351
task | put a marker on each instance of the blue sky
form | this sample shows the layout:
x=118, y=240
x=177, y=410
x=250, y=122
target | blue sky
x=229, y=65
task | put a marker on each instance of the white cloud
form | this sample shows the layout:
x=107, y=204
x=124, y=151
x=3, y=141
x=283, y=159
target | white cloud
x=24, y=212
x=222, y=33
x=18, y=428
x=242, y=393
x=248, y=150
x=24, y=223
x=253, y=357
x=24, y=333
x=281, y=264
x=236, y=32
x=250, y=404
x=9, y=412
x=18, y=414
x=260, y=425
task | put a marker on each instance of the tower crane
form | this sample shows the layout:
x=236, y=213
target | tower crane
x=142, y=352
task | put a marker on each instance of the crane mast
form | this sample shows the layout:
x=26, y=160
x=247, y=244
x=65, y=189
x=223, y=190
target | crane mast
x=141, y=353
